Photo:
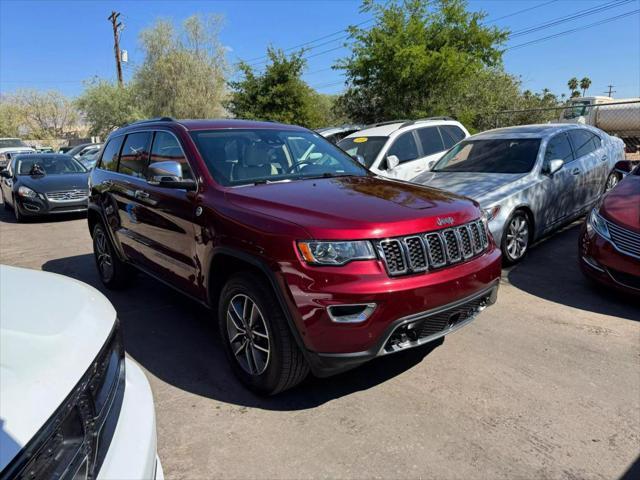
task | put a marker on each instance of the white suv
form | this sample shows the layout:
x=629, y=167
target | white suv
x=71, y=404
x=402, y=149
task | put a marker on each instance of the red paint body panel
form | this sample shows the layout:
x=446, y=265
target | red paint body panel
x=622, y=204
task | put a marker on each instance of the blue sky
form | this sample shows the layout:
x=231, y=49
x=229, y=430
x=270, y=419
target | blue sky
x=57, y=44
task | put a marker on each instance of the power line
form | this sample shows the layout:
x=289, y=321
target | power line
x=520, y=11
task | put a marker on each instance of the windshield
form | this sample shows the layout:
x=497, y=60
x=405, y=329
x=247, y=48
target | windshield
x=50, y=165
x=11, y=143
x=577, y=109
x=240, y=157
x=368, y=147
x=504, y=155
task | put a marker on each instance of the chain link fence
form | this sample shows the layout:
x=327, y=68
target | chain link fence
x=621, y=119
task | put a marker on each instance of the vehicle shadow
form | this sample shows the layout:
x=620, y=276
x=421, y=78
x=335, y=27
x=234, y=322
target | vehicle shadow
x=176, y=340
x=551, y=271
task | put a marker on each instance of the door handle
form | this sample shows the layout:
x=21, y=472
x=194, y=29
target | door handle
x=141, y=194
x=106, y=184
x=604, y=158
x=575, y=171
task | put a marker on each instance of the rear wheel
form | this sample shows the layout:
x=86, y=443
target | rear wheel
x=612, y=180
x=256, y=337
x=113, y=272
x=515, y=239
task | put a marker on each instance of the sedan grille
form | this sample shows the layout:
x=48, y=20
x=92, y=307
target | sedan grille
x=67, y=195
x=418, y=253
x=625, y=240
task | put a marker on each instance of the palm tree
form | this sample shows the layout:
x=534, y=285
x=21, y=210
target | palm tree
x=573, y=84
x=585, y=83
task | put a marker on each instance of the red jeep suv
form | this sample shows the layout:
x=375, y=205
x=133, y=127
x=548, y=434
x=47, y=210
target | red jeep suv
x=310, y=261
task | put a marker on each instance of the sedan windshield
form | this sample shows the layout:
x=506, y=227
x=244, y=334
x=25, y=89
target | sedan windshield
x=12, y=143
x=48, y=165
x=367, y=147
x=502, y=155
x=240, y=157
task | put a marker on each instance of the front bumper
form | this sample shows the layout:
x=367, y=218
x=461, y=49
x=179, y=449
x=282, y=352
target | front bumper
x=41, y=206
x=132, y=452
x=601, y=261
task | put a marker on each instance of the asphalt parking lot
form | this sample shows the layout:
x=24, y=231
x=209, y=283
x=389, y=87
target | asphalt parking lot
x=545, y=384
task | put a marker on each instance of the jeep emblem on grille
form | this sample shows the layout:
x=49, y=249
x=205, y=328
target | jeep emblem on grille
x=444, y=221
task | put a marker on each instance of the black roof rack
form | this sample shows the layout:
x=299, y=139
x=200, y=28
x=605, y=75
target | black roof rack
x=387, y=122
x=151, y=120
x=412, y=122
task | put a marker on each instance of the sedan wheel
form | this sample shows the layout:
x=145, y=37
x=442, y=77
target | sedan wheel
x=612, y=181
x=516, y=238
x=248, y=335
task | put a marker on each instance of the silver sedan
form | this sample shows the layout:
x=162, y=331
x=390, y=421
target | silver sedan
x=529, y=179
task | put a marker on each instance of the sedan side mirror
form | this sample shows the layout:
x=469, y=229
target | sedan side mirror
x=168, y=175
x=392, y=162
x=553, y=166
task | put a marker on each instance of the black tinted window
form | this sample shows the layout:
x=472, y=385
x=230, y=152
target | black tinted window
x=582, y=142
x=367, y=147
x=430, y=140
x=404, y=148
x=135, y=153
x=451, y=135
x=167, y=149
x=110, y=154
x=559, y=148
x=517, y=155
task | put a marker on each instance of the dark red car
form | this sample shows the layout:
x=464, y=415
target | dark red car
x=310, y=261
x=610, y=239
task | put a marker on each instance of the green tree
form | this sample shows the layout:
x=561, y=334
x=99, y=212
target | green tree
x=585, y=83
x=573, y=87
x=183, y=71
x=417, y=57
x=106, y=106
x=11, y=117
x=279, y=93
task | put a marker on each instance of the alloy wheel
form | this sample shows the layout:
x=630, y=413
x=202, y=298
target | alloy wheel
x=517, y=237
x=612, y=181
x=248, y=334
x=103, y=255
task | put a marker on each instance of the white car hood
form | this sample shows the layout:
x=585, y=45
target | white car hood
x=51, y=328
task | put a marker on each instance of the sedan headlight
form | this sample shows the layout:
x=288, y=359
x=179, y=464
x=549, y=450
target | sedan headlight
x=596, y=223
x=335, y=253
x=26, y=192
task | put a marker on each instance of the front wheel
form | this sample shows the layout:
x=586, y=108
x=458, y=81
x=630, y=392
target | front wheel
x=256, y=337
x=113, y=272
x=612, y=180
x=515, y=239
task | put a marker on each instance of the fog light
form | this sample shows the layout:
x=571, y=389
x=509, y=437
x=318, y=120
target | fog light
x=356, y=313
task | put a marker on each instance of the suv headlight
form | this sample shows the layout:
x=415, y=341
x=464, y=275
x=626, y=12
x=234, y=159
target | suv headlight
x=490, y=213
x=26, y=192
x=598, y=224
x=335, y=253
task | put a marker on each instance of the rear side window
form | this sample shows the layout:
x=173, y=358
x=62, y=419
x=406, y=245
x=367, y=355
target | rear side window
x=109, y=159
x=135, y=154
x=582, y=142
x=559, y=148
x=430, y=140
x=167, y=149
x=404, y=148
x=451, y=135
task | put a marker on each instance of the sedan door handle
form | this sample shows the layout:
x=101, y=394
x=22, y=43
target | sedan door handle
x=575, y=171
x=141, y=194
x=604, y=158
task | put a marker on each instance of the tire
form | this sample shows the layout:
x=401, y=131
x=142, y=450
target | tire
x=270, y=360
x=612, y=180
x=5, y=205
x=16, y=212
x=113, y=272
x=516, y=238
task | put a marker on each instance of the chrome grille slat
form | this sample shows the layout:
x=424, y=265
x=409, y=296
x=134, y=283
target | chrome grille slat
x=67, y=195
x=625, y=240
x=419, y=253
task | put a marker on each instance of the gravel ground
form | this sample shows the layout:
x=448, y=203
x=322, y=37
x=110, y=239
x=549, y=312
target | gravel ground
x=545, y=384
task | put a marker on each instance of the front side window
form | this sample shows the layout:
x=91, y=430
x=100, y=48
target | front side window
x=167, y=149
x=110, y=154
x=430, y=140
x=582, y=142
x=500, y=155
x=241, y=157
x=367, y=147
x=135, y=154
x=404, y=148
x=52, y=165
x=451, y=134
x=558, y=148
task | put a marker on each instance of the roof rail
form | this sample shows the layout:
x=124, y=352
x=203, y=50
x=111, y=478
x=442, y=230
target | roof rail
x=151, y=120
x=418, y=120
x=387, y=122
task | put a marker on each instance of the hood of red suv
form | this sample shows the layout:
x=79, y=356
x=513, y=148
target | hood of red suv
x=357, y=207
x=622, y=204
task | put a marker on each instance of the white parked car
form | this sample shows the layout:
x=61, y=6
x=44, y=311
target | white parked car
x=403, y=149
x=10, y=147
x=71, y=405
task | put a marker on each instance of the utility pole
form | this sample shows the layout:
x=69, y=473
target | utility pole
x=611, y=90
x=113, y=18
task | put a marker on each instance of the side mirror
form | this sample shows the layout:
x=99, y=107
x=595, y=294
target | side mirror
x=553, y=166
x=168, y=175
x=431, y=164
x=359, y=159
x=392, y=162
x=624, y=166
